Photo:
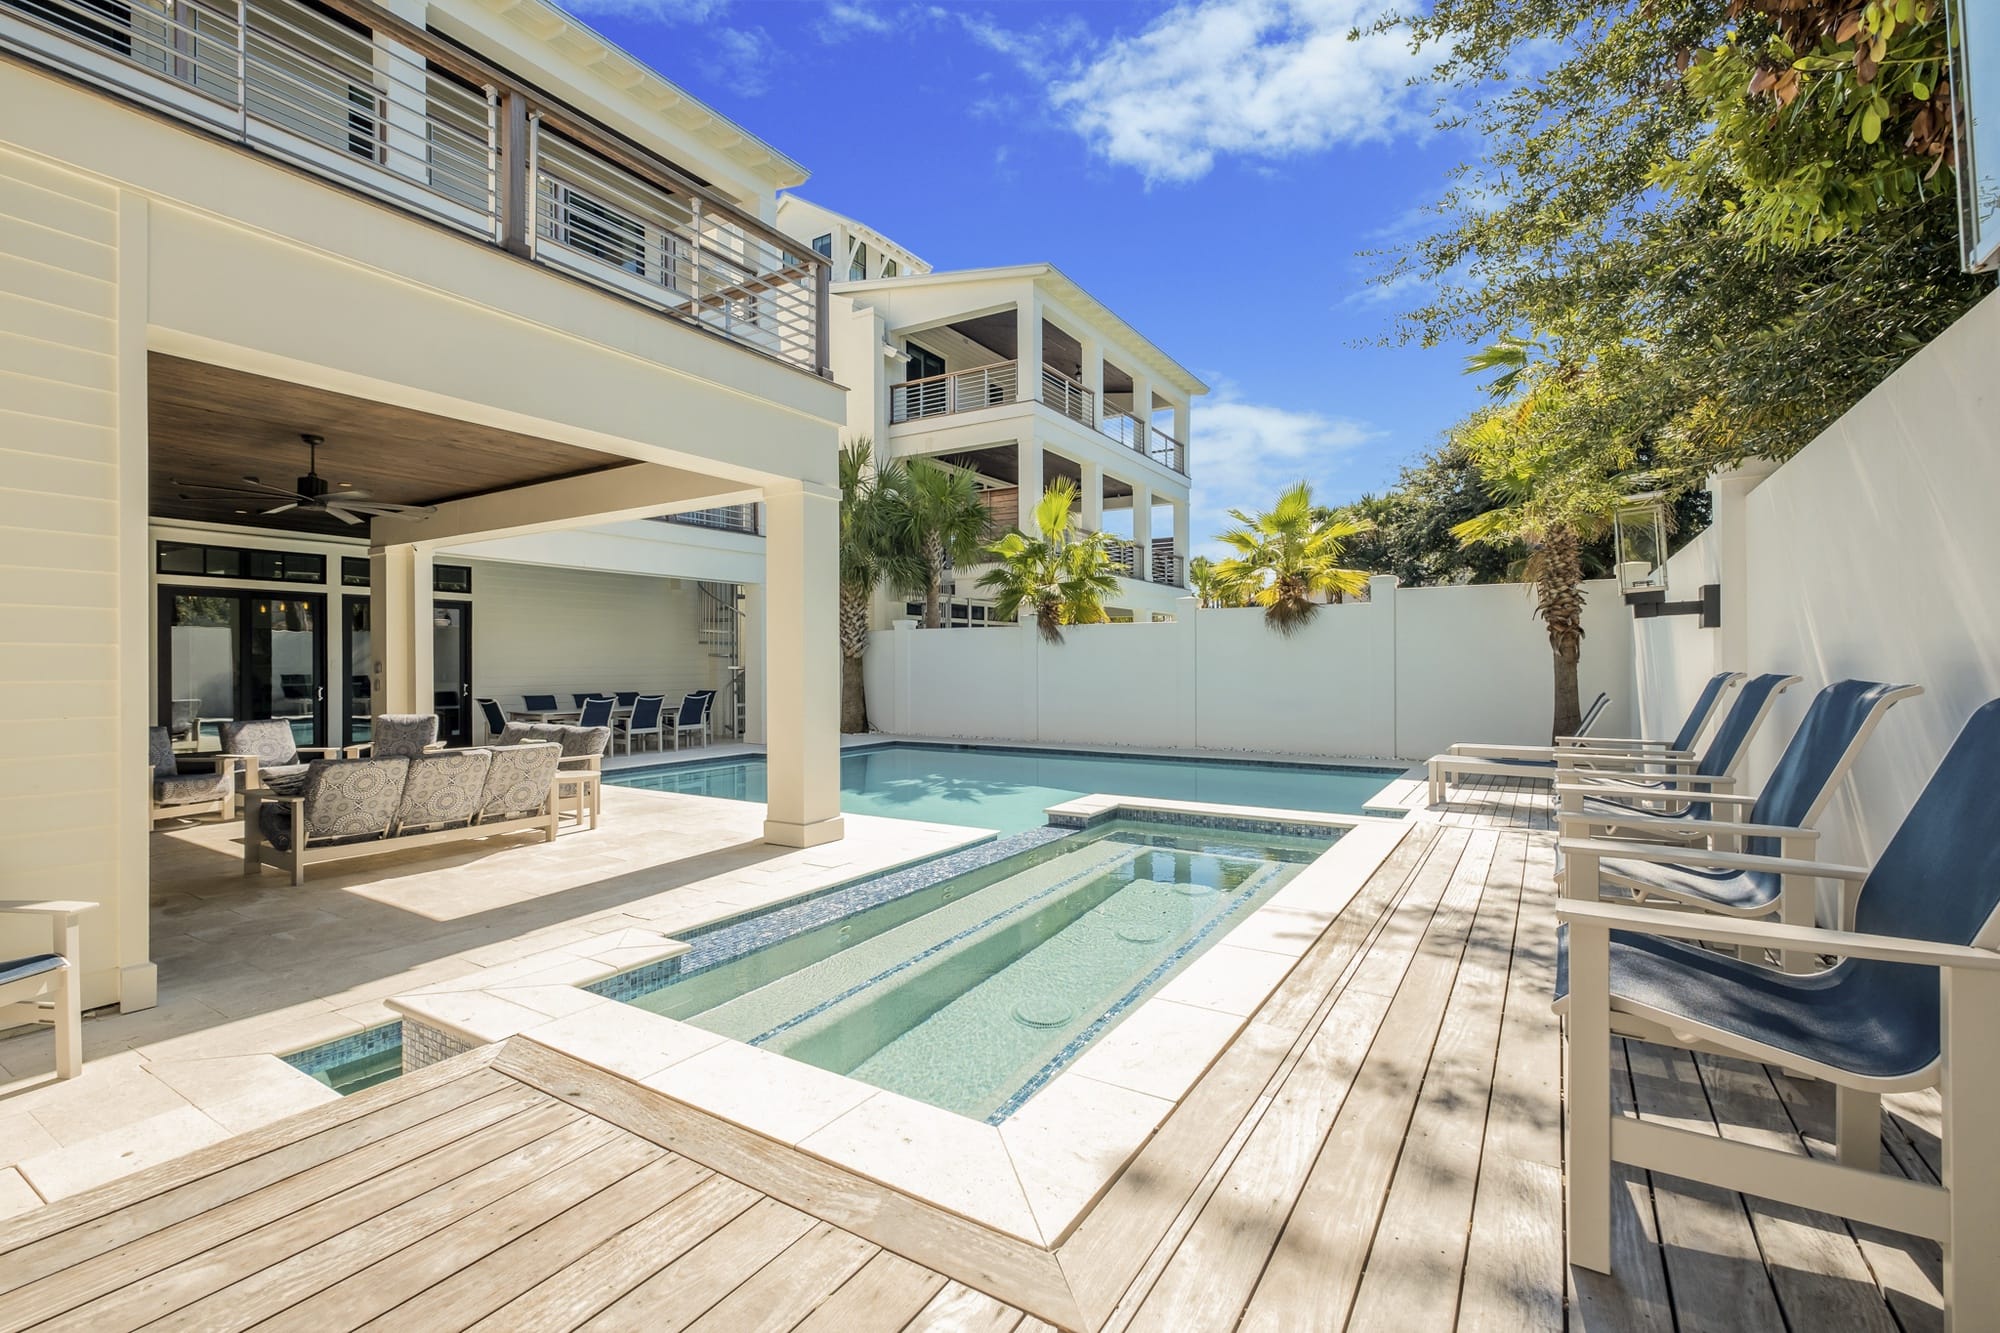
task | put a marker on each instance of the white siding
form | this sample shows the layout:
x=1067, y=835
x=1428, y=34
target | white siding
x=543, y=628
x=63, y=742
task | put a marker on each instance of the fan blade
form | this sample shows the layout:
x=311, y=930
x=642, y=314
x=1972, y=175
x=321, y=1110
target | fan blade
x=383, y=509
x=350, y=519
x=231, y=490
x=346, y=493
x=281, y=509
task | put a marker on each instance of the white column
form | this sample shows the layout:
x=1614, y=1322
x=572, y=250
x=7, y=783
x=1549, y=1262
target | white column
x=802, y=665
x=1093, y=376
x=1093, y=496
x=1142, y=530
x=1142, y=408
x=400, y=632
x=1182, y=537
x=1183, y=409
x=1029, y=452
x=1028, y=346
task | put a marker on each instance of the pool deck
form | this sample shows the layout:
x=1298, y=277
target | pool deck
x=1379, y=1148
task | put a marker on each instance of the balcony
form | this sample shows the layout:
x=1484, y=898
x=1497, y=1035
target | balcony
x=999, y=382
x=355, y=95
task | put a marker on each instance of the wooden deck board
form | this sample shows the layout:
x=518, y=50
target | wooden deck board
x=1381, y=1146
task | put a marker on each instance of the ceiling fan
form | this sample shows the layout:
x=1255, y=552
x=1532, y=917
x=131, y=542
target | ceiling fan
x=312, y=493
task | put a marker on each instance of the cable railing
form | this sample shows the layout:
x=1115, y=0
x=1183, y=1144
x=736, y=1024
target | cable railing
x=351, y=92
x=960, y=391
x=722, y=518
x=1068, y=397
x=1167, y=451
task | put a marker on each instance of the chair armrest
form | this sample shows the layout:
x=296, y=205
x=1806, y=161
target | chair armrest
x=1617, y=743
x=1607, y=787
x=1682, y=827
x=1702, y=856
x=1572, y=756
x=1462, y=749
x=1656, y=784
x=1776, y=935
x=576, y=761
x=53, y=907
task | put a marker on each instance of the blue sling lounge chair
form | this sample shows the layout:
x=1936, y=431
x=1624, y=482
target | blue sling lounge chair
x=1913, y=1002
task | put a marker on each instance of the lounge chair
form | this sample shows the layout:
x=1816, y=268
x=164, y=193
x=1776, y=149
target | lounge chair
x=1779, y=822
x=1680, y=744
x=1511, y=761
x=268, y=754
x=496, y=717
x=1913, y=1002
x=1664, y=786
x=643, y=721
x=178, y=795
x=55, y=975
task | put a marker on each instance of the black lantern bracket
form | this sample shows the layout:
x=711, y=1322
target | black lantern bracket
x=1648, y=603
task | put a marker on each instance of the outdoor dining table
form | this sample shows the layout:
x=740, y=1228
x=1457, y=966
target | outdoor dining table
x=544, y=714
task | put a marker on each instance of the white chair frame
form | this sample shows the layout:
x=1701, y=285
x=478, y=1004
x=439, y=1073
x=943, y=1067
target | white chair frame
x=63, y=985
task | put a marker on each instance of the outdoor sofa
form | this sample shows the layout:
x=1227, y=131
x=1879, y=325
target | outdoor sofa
x=361, y=807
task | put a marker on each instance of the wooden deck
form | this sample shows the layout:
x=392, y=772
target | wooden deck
x=1380, y=1148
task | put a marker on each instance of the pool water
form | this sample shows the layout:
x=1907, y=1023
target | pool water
x=1006, y=789
x=974, y=992
x=352, y=1063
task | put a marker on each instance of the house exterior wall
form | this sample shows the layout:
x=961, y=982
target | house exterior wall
x=1869, y=554
x=123, y=233
x=1401, y=675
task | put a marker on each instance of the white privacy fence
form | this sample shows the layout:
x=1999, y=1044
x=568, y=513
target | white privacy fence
x=1401, y=675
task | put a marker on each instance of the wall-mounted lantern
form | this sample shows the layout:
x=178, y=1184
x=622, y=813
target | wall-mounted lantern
x=1639, y=546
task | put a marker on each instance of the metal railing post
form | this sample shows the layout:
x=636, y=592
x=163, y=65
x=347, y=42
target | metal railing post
x=822, y=339
x=493, y=209
x=243, y=69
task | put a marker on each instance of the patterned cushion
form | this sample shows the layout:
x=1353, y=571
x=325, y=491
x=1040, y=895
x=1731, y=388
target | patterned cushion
x=269, y=738
x=578, y=742
x=404, y=734
x=349, y=799
x=185, y=788
x=285, y=780
x=520, y=733
x=160, y=751
x=443, y=789
x=518, y=782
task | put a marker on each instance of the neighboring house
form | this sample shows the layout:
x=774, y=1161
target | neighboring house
x=514, y=278
x=1017, y=375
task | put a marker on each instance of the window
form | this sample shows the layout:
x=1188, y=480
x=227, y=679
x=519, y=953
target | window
x=597, y=229
x=890, y=268
x=857, y=267
x=824, y=244
x=235, y=562
x=455, y=579
x=113, y=31
x=924, y=363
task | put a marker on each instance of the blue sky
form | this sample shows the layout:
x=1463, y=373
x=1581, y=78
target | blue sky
x=1210, y=170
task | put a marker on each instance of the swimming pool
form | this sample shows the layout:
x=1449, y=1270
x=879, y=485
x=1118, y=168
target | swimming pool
x=972, y=993
x=1009, y=789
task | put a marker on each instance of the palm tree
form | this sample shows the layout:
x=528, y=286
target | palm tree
x=944, y=523
x=1205, y=582
x=871, y=497
x=1287, y=557
x=1061, y=576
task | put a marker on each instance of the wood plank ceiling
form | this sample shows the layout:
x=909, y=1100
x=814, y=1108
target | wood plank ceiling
x=212, y=426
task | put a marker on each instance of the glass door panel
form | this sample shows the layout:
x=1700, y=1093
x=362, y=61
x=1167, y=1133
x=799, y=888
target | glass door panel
x=204, y=644
x=451, y=670
x=284, y=671
x=357, y=658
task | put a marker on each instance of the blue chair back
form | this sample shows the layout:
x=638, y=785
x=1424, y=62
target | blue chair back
x=579, y=700
x=693, y=706
x=1939, y=877
x=707, y=698
x=646, y=711
x=496, y=716
x=596, y=710
x=626, y=698
x=1740, y=723
x=539, y=703
x=1818, y=756
x=1704, y=704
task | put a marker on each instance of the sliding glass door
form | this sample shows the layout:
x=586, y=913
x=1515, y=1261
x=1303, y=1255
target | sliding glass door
x=228, y=654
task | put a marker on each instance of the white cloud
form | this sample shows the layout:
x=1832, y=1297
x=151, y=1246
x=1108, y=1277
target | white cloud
x=1253, y=78
x=1245, y=453
x=748, y=54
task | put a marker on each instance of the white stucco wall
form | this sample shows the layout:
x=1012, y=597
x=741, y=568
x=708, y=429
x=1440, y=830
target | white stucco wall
x=1401, y=675
x=1871, y=554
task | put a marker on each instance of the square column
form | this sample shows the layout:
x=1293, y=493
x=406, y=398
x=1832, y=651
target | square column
x=1142, y=408
x=1093, y=375
x=1182, y=426
x=1182, y=539
x=753, y=659
x=1029, y=452
x=1028, y=347
x=802, y=665
x=400, y=630
x=1142, y=531
x=1092, y=510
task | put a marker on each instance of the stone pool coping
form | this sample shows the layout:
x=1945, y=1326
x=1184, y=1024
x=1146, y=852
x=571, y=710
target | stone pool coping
x=1032, y=1176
